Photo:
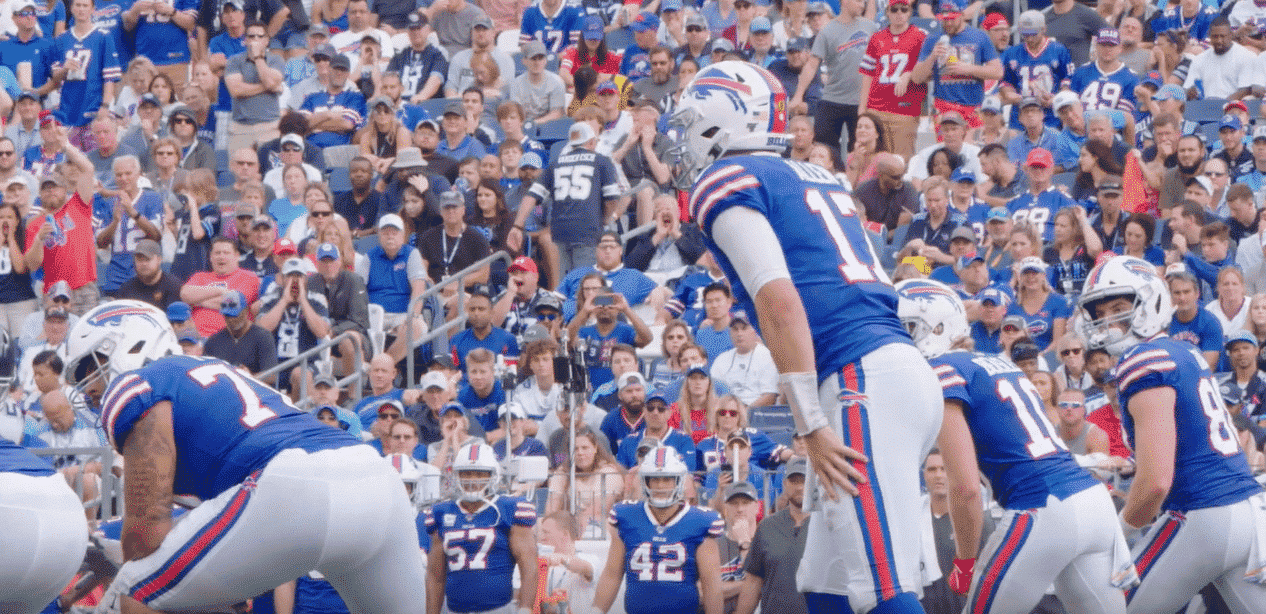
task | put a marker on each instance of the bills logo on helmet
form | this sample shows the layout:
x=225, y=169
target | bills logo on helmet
x=114, y=316
x=716, y=81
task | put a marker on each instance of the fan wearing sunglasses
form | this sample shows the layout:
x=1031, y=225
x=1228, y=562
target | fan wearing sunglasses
x=1071, y=373
x=728, y=420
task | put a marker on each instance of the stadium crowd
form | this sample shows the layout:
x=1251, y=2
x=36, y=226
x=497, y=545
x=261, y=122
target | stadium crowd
x=275, y=173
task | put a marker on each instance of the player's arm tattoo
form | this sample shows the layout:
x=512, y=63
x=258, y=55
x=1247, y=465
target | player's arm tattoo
x=149, y=471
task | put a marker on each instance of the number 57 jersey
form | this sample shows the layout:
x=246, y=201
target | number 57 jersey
x=226, y=424
x=659, y=560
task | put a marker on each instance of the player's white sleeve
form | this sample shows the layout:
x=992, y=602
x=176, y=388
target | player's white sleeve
x=751, y=246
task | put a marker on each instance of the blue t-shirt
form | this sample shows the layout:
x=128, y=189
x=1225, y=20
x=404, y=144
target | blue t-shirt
x=47, y=18
x=39, y=51
x=555, y=33
x=1099, y=91
x=530, y=446
x=626, y=452
x=367, y=408
x=229, y=46
x=598, y=350
x=636, y=62
x=498, y=342
x=350, y=104
x=1203, y=331
x=1041, y=325
x=633, y=284
x=984, y=340
x=482, y=409
x=16, y=459
x=285, y=212
x=972, y=45
x=1039, y=211
x=84, y=90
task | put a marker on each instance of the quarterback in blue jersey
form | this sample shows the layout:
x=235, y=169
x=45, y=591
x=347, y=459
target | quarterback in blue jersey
x=1192, y=483
x=663, y=547
x=478, y=539
x=270, y=482
x=1059, y=525
x=45, y=533
x=789, y=238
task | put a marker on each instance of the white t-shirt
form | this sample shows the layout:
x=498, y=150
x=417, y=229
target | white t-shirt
x=1231, y=323
x=1223, y=75
x=748, y=375
x=918, y=166
x=272, y=178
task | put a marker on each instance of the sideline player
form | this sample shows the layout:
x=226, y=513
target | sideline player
x=477, y=539
x=789, y=238
x=279, y=489
x=1192, y=479
x=663, y=546
x=1059, y=524
x=44, y=535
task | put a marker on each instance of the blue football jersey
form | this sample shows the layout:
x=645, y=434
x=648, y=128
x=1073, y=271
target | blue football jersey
x=226, y=424
x=84, y=89
x=557, y=32
x=477, y=548
x=659, y=560
x=1017, y=447
x=1101, y=92
x=765, y=451
x=16, y=459
x=849, y=299
x=1210, y=467
x=1039, y=211
x=1048, y=70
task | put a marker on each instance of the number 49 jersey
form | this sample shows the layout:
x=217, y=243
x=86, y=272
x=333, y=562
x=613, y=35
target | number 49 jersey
x=1017, y=447
x=477, y=548
x=659, y=560
x=1210, y=469
x=851, y=304
x=226, y=424
x=887, y=57
x=1102, y=92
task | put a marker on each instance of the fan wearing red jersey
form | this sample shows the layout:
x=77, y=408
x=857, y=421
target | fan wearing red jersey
x=886, y=68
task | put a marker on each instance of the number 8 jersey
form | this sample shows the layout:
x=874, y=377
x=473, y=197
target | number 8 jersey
x=1210, y=467
x=477, y=549
x=659, y=560
x=226, y=424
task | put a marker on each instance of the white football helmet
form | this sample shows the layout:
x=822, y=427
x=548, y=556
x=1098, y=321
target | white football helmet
x=117, y=337
x=728, y=106
x=663, y=462
x=476, y=457
x=933, y=314
x=421, y=479
x=1124, y=277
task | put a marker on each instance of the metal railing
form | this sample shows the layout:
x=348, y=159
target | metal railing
x=458, y=320
x=302, y=357
x=111, y=487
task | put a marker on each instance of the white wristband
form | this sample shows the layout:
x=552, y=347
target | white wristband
x=801, y=391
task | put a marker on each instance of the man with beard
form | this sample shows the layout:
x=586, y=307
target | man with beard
x=788, y=68
x=1225, y=70
x=655, y=425
x=1191, y=154
x=769, y=573
x=661, y=82
x=426, y=137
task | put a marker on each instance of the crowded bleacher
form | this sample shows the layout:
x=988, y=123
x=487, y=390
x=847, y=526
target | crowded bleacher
x=432, y=223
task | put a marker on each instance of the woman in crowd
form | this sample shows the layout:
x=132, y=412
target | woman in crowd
x=318, y=212
x=140, y=71
x=537, y=392
x=599, y=482
x=1044, y=311
x=164, y=90
x=589, y=284
x=414, y=213
x=15, y=281
x=1072, y=253
x=195, y=220
x=1139, y=230
x=492, y=219
x=1096, y=163
x=667, y=369
x=828, y=157
x=289, y=206
x=686, y=72
x=695, y=403
x=383, y=136
x=1231, y=307
x=730, y=417
x=942, y=163
x=794, y=22
x=1256, y=324
x=591, y=53
x=164, y=156
x=1045, y=384
x=869, y=142
x=488, y=77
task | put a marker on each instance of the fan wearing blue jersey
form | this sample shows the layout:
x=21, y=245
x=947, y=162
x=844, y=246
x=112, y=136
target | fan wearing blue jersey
x=1038, y=67
x=45, y=533
x=791, y=242
x=1058, y=524
x=1192, y=483
x=1038, y=205
x=85, y=67
x=664, y=548
x=1106, y=83
x=478, y=539
x=555, y=23
x=277, y=492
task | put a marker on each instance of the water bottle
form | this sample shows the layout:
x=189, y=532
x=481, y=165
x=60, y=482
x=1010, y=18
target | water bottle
x=945, y=40
x=461, y=185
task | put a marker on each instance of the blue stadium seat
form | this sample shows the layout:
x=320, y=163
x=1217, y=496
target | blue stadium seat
x=555, y=130
x=224, y=179
x=618, y=40
x=519, y=68
x=340, y=180
x=782, y=438
x=554, y=150
x=1204, y=110
x=435, y=106
x=221, y=160
x=771, y=419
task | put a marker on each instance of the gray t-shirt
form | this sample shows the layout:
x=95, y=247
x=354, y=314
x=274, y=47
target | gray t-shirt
x=774, y=557
x=538, y=99
x=453, y=29
x=840, y=46
x=260, y=108
x=460, y=75
x=648, y=89
x=1075, y=29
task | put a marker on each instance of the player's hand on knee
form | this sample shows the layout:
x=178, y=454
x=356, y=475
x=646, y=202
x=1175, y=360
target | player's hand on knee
x=836, y=465
x=960, y=577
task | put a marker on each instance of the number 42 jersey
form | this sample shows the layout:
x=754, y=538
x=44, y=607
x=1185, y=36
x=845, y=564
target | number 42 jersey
x=226, y=424
x=659, y=559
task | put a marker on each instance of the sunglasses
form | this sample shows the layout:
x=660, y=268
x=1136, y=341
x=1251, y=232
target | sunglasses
x=182, y=120
x=1011, y=329
x=549, y=317
x=694, y=28
x=1214, y=174
x=322, y=213
x=389, y=415
x=1073, y=351
x=657, y=408
x=1069, y=405
x=24, y=14
x=730, y=413
x=291, y=148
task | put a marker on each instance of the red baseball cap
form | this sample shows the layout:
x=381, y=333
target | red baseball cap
x=1235, y=104
x=994, y=20
x=284, y=246
x=948, y=10
x=47, y=118
x=523, y=263
x=1040, y=157
x=892, y=2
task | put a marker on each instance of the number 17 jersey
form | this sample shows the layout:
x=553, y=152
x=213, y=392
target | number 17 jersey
x=887, y=57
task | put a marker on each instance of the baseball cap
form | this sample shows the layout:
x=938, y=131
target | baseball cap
x=245, y=210
x=523, y=263
x=1063, y=99
x=1111, y=183
x=593, y=28
x=1176, y=269
x=697, y=368
x=185, y=112
x=1259, y=132
x=952, y=117
x=796, y=466
x=644, y=21
x=964, y=233
x=453, y=406
x=1230, y=121
x=324, y=50
x=232, y=304
x=819, y=8
x=284, y=246
x=1000, y=214
x=292, y=266
x=233, y=4
x=739, y=317
x=993, y=295
x=534, y=48
x=325, y=379
x=60, y=289
x=991, y=104
x=1235, y=104
x=695, y=19
x=1024, y=350
x=797, y=43
x=962, y=174
x=1030, y=22
x=1032, y=263
x=1153, y=79
x=1170, y=91
x=428, y=123
x=390, y=403
x=340, y=62
x=149, y=248
x=739, y=435
x=292, y=139
x=722, y=45
x=1029, y=101
x=189, y=335
x=262, y=220
x=741, y=489
x=607, y=87
x=549, y=301
x=433, y=379
x=327, y=250
x=531, y=159
x=948, y=10
x=1039, y=157
x=1204, y=182
x=1240, y=335
x=391, y=220
x=56, y=312
x=967, y=260
x=761, y=24
x=482, y=21
x=511, y=409
x=417, y=19
x=657, y=396
x=381, y=100
x=149, y=98
x=178, y=312
x=671, y=5
x=452, y=199
x=1015, y=322
x=629, y=379
x=29, y=94
x=1108, y=36
x=454, y=108
x=580, y=133
x=995, y=20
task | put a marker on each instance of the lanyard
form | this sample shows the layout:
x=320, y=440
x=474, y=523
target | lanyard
x=448, y=256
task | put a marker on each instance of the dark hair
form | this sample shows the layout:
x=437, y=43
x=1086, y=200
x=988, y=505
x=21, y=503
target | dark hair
x=1167, y=119
x=1146, y=222
x=585, y=79
x=624, y=347
x=1103, y=159
x=1237, y=191
x=599, y=54
x=224, y=239
x=50, y=359
x=250, y=23
x=502, y=213
x=955, y=160
x=834, y=152
x=685, y=61
x=1220, y=20
x=474, y=90
x=658, y=49
x=993, y=148
x=417, y=432
x=718, y=286
x=359, y=160
x=294, y=122
x=880, y=131
x=1215, y=230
